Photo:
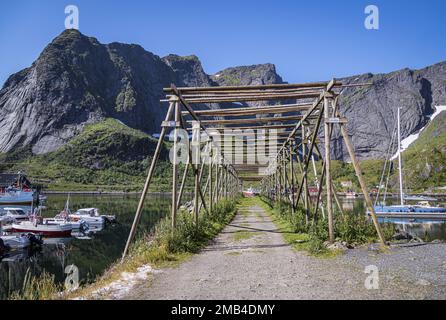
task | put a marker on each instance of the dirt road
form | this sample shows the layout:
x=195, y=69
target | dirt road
x=250, y=260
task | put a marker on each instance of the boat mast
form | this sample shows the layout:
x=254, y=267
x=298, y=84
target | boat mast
x=400, y=166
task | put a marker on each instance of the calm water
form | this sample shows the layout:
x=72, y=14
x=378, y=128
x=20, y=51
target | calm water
x=424, y=229
x=93, y=254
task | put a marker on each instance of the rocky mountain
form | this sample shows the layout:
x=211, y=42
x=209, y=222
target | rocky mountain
x=78, y=81
x=247, y=76
x=372, y=110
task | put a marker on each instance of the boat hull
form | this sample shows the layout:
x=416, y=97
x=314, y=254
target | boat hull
x=52, y=231
x=16, y=242
x=410, y=209
x=19, y=197
x=411, y=212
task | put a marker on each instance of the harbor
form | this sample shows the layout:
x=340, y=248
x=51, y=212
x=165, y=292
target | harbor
x=92, y=253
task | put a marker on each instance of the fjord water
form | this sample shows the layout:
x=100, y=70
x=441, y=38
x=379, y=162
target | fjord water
x=91, y=255
x=94, y=254
x=426, y=230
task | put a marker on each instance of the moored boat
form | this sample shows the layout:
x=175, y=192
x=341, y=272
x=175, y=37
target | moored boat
x=21, y=241
x=91, y=216
x=351, y=195
x=15, y=197
x=5, y=220
x=249, y=193
x=422, y=209
x=17, y=214
x=80, y=225
x=46, y=229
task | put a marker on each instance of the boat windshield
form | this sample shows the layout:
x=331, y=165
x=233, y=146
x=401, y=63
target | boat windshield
x=17, y=212
x=85, y=212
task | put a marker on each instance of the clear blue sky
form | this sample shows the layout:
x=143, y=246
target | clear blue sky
x=307, y=40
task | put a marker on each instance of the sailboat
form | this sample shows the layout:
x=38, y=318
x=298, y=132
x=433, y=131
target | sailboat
x=422, y=208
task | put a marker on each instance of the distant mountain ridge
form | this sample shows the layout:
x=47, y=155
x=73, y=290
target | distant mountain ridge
x=78, y=81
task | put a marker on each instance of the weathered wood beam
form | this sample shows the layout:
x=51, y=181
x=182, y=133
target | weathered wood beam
x=246, y=98
x=269, y=127
x=250, y=120
x=251, y=110
x=256, y=87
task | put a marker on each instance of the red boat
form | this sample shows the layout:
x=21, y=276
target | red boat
x=250, y=193
x=46, y=229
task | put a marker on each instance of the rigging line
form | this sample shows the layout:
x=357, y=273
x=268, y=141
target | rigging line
x=387, y=160
x=389, y=171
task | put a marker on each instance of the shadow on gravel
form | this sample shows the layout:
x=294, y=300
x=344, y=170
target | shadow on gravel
x=253, y=229
x=236, y=247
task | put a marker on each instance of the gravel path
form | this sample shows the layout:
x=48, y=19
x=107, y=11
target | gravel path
x=250, y=260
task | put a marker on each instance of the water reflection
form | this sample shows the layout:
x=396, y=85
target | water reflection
x=427, y=230
x=92, y=253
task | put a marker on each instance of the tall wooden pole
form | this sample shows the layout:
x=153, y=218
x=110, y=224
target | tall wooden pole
x=328, y=171
x=292, y=178
x=211, y=165
x=196, y=195
x=147, y=183
x=364, y=188
x=175, y=166
x=305, y=168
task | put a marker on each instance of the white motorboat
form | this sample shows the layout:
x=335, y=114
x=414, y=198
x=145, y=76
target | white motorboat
x=16, y=242
x=5, y=220
x=21, y=241
x=18, y=214
x=91, y=216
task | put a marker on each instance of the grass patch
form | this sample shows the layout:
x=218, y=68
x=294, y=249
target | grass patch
x=41, y=287
x=241, y=235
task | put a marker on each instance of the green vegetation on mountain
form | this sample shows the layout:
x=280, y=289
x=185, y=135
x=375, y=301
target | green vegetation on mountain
x=425, y=160
x=106, y=156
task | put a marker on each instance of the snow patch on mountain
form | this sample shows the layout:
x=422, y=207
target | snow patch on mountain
x=407, y=142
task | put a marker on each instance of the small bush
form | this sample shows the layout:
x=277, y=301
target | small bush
x=297, y=220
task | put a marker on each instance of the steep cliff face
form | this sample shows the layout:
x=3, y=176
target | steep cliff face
x=78, y=81
x=75, y=81
x=372, y=110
